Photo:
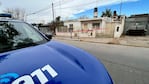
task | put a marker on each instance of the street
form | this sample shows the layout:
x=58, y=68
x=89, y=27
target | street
x=126, y=65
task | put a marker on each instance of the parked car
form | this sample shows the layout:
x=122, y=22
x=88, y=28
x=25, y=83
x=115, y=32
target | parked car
x=29, y=57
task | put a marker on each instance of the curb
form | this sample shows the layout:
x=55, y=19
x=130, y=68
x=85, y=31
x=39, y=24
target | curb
x=110, y=42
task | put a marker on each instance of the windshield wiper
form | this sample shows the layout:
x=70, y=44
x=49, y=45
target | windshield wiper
x=19, y=46
x=23, y=45
x=5, y=49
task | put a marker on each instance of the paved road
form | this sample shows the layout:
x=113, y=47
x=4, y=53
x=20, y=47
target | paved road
x=127, y=65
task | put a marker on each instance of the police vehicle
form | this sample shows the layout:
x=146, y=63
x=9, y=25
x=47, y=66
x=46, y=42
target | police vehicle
x=29, y=57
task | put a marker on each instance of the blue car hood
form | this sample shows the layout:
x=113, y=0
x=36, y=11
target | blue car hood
x=70, y=64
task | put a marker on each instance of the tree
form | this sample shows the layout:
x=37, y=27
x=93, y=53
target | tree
x=56, y=24
x=17, y=13
x=107, y=13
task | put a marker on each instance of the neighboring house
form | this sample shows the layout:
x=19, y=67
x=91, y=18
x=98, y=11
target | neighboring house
x=96, y=27
x=70, y=28
x=137, y=25
x=92, y=24
x=75, y=25
x=103, y=27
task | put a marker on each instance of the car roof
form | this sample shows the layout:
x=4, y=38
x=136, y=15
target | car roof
x=11, y=20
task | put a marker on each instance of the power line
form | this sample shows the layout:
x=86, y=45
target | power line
x=47, y=8
x=56, y=4
x=44, y=9
x=80, y=5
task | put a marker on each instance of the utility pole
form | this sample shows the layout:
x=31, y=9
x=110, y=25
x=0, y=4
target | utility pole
x=54, y=25
x=53, y=10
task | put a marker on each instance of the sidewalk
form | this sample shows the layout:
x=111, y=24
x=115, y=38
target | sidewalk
x=135, y=41
x=127, y=40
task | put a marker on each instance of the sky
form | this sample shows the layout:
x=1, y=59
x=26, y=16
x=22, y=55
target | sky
x=41, y=10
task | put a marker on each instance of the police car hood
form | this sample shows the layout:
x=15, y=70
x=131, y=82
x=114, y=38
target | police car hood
x=72, y=65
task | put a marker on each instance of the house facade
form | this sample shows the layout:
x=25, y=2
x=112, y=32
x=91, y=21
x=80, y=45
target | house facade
x=104, y=26
x=137, y=25
x=91, y=27
x=70, y=28
x=75, y=25
x=96, y=27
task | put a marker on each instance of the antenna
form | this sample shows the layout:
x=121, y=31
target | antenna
x=121, y=7
x=96, y=3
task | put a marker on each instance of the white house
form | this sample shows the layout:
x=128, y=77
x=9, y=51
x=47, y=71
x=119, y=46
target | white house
x=72, y=26
x=96, y=27
x=75, y=24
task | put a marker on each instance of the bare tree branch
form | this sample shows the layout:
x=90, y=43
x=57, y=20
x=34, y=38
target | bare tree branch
x=17, y=13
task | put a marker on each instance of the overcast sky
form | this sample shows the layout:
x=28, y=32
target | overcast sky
x=65, y=8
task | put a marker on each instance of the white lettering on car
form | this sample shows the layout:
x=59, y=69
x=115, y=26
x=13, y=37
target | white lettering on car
x=26, y=79
x=39, y=73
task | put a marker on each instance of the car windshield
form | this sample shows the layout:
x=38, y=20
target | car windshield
x=16, y=35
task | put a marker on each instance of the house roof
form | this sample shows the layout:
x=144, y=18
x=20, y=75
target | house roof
x=93, y=19
x=72, y=20
x=139, y=15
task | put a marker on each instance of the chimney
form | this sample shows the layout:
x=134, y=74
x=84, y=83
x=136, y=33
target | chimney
x=115, y=16
x=114, y=13
x=96, y=12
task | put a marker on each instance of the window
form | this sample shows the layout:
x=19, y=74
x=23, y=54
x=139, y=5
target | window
x=70, y=25
x=96, y=25
x=85, y=26
x=117, y=29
